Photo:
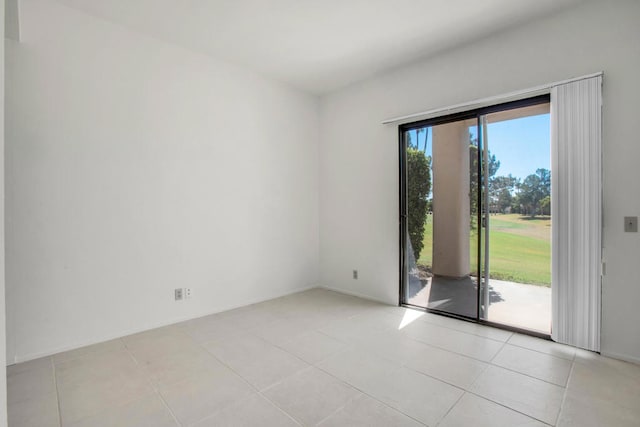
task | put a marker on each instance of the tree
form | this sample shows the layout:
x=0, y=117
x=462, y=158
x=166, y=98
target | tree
x=545, y=206
x=501, y=190
x=418, y=188
x=418, y=132
x=426, y=137
x=533, y=190
x=493, y=166
x=503, y=200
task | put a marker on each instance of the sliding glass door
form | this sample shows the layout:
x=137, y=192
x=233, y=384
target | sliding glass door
x=475, y=223
x=441, y=216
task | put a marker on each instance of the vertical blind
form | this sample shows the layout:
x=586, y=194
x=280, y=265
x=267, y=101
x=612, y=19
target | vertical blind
x=576, y=207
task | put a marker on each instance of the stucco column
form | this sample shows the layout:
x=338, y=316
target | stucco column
x=451, y=199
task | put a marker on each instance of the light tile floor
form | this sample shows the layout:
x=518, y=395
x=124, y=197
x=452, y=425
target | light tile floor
x=327, y=359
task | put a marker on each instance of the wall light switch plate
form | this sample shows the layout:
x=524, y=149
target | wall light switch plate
x=631, y=224
x=178, y=294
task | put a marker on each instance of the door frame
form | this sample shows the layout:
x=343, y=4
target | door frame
x=403, y=208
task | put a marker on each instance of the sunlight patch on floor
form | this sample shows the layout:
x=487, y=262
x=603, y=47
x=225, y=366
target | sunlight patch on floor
x=409, y=317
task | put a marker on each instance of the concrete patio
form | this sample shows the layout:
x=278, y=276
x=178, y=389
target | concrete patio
x=514, y=304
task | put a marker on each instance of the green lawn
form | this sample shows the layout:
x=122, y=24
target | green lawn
x=520, y=248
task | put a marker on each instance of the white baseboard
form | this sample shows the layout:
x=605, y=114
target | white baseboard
x=623, y=357
x=356, y=294
x=124, y=333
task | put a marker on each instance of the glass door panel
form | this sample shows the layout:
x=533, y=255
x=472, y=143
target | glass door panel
x=442, y=224
x=516, y=270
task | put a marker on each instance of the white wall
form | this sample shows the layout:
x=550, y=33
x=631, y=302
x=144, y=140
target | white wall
x=359, y=156
x=3, y=341
x=135, y=167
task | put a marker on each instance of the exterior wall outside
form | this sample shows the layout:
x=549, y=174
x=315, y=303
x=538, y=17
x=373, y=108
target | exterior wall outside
x=451, y=205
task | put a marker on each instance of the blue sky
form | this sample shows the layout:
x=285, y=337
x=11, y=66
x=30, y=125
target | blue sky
x=521, y=145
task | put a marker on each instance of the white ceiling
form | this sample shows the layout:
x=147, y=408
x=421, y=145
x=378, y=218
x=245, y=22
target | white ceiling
x=319, y=45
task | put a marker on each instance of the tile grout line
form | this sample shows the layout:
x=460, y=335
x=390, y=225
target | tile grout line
x=475, y=380
x=394, y=409
x=451, y=408
x=504, y=344
x=566, y=390
x=491, y=363
x=133, y=358
x=463, y=389
x=368, y=395
x=465, y=332
x=55, y=381
x=343, y=406
x=280, y=409
x=348, y=344
x=351, y=346
x=507, y=341
x=255, y=389
x=166, y=405
x=152, y=383
x=509, y=408
x=314, y=366
x=542, y=352
x=81, y=356
x=454, y=352
x=531, y=376
x=243, y=378
x=310, y=366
